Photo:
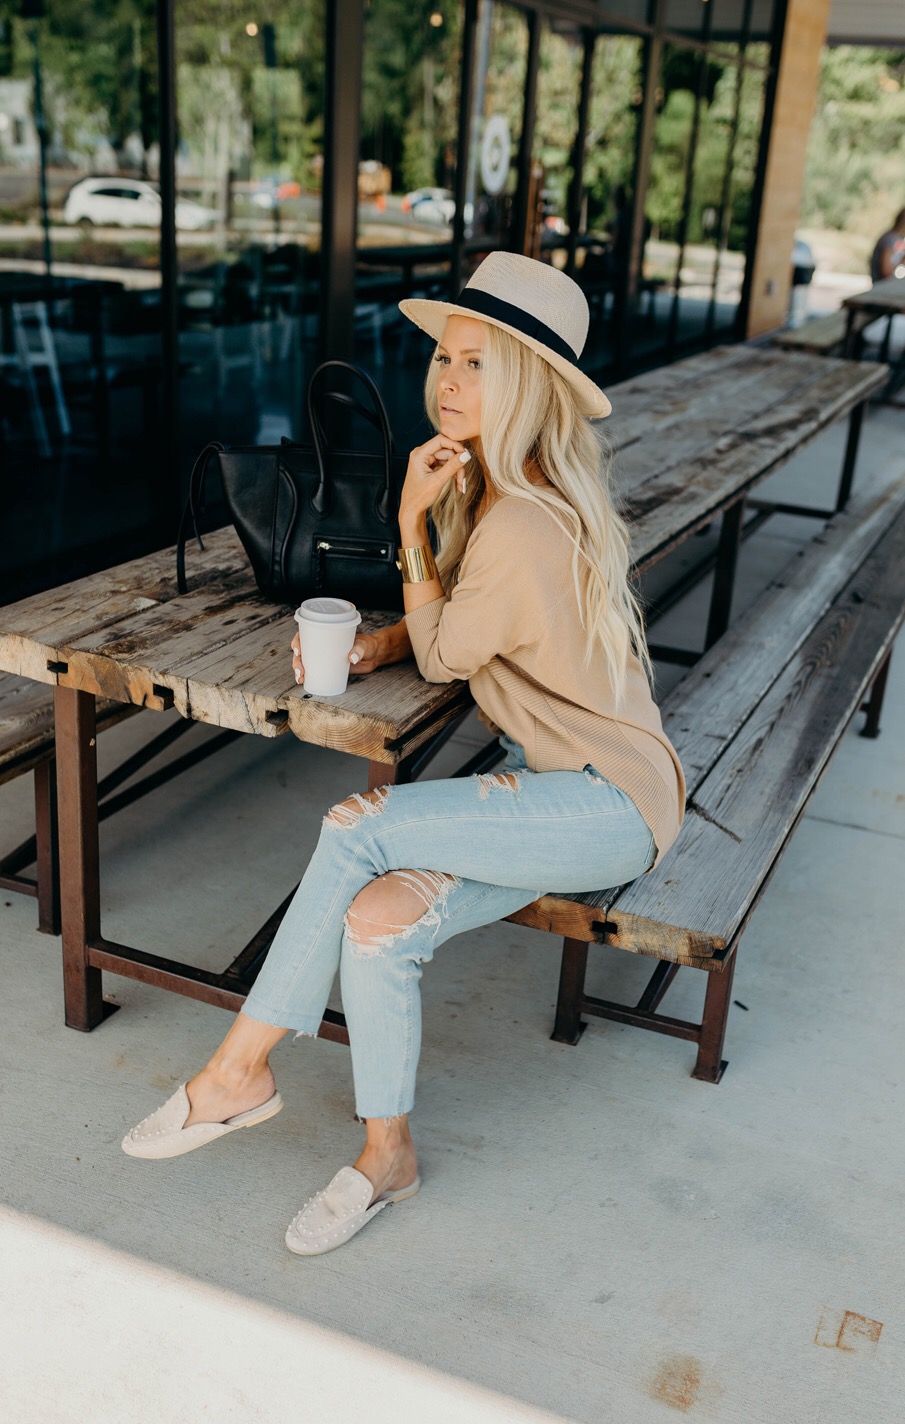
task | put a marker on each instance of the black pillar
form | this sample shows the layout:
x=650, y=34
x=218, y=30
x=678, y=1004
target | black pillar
x=168, y=486
x=339, y=214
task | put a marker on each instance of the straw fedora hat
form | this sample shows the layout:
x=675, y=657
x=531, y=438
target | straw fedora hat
x=538, y=305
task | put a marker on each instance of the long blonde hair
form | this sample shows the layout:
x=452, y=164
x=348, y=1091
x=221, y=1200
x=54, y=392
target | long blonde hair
x=531, y=419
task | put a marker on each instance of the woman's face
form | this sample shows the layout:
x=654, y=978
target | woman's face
x=458, y=364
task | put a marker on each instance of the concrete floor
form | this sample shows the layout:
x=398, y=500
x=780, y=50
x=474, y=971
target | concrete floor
x=599, y=1237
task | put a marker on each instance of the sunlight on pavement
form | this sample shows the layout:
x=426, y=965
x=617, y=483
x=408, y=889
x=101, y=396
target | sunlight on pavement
x=130, y=1342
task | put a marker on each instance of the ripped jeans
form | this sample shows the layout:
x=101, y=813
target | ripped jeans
x=477, y=849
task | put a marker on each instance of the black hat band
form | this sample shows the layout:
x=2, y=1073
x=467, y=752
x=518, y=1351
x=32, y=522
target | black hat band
x=531, y=326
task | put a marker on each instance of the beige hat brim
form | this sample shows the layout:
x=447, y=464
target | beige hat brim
x=431, y=317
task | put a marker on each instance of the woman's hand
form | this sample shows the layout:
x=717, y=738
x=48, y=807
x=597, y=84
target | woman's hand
x=430, y=468
x=369, y=652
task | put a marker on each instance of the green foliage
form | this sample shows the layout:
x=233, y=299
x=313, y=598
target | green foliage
x=410, y=89
x=855, y=175
x=668, y=162
x=99, y=63
x=612, y=124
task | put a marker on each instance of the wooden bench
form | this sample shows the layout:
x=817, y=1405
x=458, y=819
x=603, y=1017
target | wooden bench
x=823, y=335
x=27, y=745
x=755, y=723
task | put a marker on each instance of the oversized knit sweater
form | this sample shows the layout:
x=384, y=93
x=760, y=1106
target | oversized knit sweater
x=511, y=629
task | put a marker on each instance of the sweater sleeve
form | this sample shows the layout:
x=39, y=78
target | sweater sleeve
x=494, y=607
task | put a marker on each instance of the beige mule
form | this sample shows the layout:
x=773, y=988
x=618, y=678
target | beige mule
x=164, y=1133
x=335, y=1214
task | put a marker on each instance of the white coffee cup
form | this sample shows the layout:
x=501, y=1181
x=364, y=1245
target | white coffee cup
x=327, y=628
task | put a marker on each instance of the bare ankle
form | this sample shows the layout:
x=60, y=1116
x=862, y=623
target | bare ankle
x=236, y=1072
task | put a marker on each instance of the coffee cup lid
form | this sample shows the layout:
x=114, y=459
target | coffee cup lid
x=328, y=610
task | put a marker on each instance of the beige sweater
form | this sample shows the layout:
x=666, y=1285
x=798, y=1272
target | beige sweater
x=511, y=629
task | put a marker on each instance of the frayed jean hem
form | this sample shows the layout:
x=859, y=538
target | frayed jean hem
x=276, y=1018
x=373, y=1110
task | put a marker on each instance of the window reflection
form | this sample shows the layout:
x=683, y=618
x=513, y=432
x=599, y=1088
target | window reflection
x=665, y=199
x=607, y=178
x=706, y=206
x=81, y=375
x=250, y=106
x=497, y=118
x=80, y=370
x=408, y=172
x=555, y=132
x=741, y=190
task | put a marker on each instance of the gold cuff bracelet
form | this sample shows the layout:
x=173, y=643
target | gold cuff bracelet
x=417, y=565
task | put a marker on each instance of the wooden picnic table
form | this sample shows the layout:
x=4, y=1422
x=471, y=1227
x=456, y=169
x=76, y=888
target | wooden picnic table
x=886, y=298
x=693, y=440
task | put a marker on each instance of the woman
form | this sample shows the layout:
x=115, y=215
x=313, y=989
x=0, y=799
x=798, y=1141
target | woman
x=530, y=601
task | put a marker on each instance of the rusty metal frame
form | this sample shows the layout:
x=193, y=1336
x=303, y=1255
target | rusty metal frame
x=710, y=1034
x=42, y=849
x=87, y=953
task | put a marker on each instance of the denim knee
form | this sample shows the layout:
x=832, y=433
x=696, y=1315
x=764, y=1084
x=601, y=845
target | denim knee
x=367, y=938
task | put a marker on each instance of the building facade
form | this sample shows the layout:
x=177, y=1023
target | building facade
x=225, y=196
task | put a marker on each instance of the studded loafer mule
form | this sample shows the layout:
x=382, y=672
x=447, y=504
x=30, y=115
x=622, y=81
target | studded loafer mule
x=164, y=1133
x=335, y=1214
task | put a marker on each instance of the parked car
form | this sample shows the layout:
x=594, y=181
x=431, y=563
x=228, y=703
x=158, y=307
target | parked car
x=128, y=202
x=433, y=205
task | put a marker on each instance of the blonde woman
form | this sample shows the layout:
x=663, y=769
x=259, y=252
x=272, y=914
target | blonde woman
x=529, y=600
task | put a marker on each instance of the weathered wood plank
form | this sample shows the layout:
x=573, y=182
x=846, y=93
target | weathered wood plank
x=713, y=701
x=61, y=615
x=669, y=389
x=575, y=919
x=705, y=710
x=822, y=335
x=696, y=421
x=26, y=724
x=885, y=296
x=743, y=811
x=689, y=496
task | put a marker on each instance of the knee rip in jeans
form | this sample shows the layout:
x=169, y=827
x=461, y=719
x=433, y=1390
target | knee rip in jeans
x=430, y=889
x=347, y=814
x=498, y=781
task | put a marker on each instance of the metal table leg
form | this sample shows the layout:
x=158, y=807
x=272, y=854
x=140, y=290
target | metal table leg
x=76, y=742
x=855, y=421
x=724, y=572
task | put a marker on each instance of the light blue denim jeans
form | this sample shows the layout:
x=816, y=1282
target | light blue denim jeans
x=481, y=850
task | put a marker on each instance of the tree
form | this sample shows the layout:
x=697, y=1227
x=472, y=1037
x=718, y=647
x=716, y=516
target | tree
x=855, y=176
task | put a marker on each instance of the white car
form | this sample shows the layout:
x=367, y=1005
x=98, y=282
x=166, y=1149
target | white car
x=128, y=202
x=435, y=205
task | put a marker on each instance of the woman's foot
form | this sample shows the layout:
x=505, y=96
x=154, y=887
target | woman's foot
x=218, y=1092
x=237, y=1078
x=388, y=1158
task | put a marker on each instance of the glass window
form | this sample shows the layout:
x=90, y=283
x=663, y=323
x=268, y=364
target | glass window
x=687, y=17
x=612, y=11
x=601, y=261
x=80, y=364
x=555, y=132
x=707, y=199
x=664, y=207
x=727, y=22
x=737, y=218
x=761, y=22
x=497, y=119
x=408, y=172
x=248, y=216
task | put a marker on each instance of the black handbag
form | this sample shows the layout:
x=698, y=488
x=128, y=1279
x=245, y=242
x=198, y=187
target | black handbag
x=313, y=520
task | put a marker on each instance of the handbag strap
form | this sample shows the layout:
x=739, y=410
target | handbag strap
x=376, y=415
x=193, y=507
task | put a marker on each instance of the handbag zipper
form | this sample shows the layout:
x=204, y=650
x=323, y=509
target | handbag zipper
x=362, y=551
